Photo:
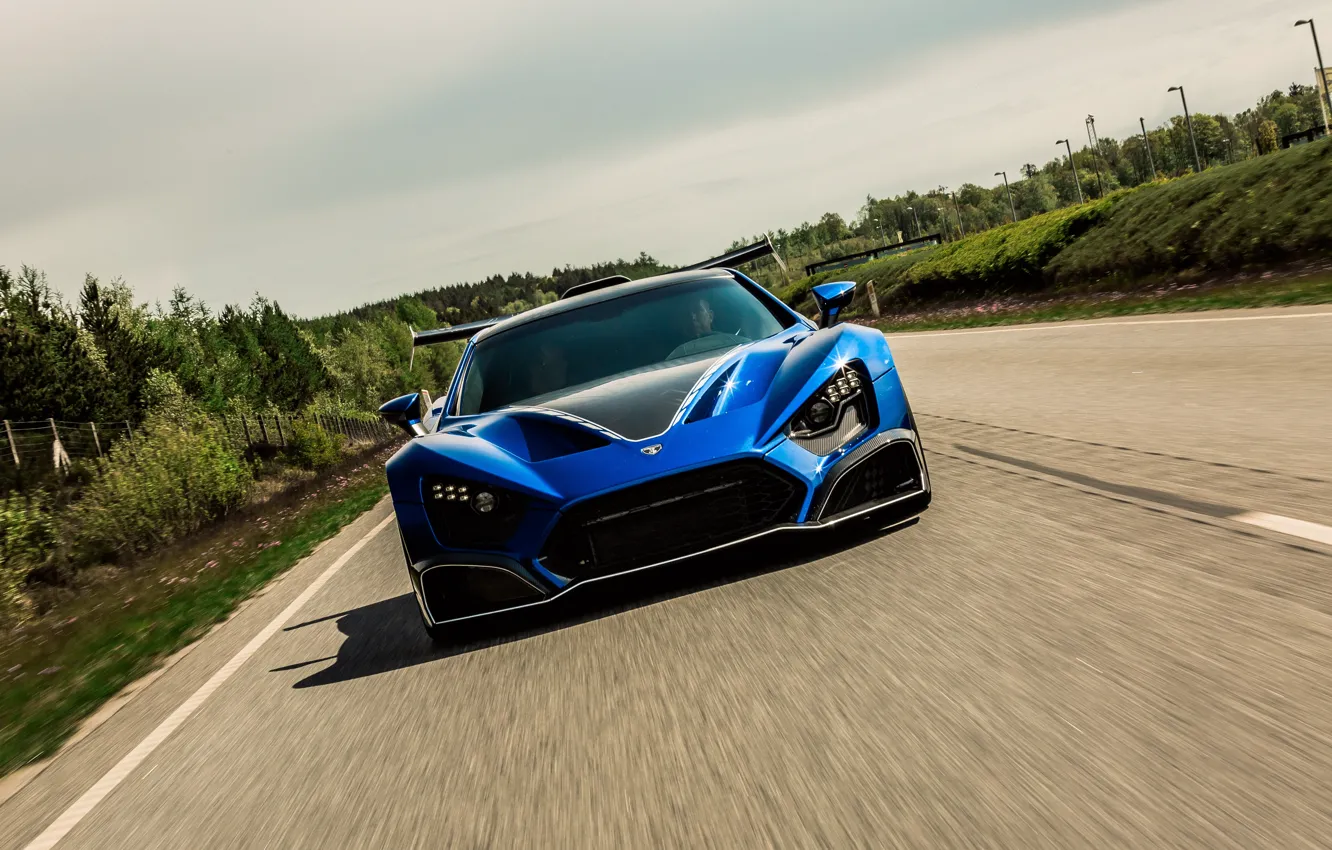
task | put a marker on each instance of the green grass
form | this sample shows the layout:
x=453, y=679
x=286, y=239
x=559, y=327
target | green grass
x=1257, y=213
x=55, y=674
x=1286, y=293
x=1261, y=213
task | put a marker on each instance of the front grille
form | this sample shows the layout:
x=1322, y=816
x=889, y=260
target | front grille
x=671, y=517
x=889, y=471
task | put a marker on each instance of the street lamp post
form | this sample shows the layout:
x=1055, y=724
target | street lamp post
x=1096, y=158
x=916, y=217
x=1327, y=96
x=1188, y=119
x=879, y=224
x=1009, y=189
x=1148, y=144
x=1072, y=167
x=958, y=209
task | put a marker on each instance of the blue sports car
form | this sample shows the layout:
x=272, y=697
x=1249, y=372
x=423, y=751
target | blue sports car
x=633, y=424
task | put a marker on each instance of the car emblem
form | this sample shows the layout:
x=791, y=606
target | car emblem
x=651, y=450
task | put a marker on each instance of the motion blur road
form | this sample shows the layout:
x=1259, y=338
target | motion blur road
x=1097, y=636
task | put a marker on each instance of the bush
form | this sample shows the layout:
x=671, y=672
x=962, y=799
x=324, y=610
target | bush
x=311, y=447
x=172, y=479
x=1009, y=258
x=1262, y=211
x=27, y=539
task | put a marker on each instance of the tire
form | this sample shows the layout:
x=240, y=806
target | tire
x=440, y=635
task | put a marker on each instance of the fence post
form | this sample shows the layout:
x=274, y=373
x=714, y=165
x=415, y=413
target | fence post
x=873, y=298
x=13, y=449
x=245, y=429
x=282, y=438
x=58, y=454
x=263, y=429
x=96, y=442
x=129, y=436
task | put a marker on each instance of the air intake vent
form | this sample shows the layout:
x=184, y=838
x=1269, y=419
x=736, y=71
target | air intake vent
x=672, y=517
x=888, y=472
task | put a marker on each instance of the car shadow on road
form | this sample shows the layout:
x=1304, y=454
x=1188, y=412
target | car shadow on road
x=387, y=635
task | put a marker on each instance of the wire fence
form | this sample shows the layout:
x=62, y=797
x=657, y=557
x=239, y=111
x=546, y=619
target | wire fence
x=52, y=444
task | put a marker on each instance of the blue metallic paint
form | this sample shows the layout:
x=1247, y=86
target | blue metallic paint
x=738, y=409
x=832, y=299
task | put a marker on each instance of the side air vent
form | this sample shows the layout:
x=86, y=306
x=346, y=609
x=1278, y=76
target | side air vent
x=889, y=472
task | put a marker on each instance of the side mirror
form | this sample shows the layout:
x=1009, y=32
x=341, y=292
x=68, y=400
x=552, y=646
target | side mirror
x=832, y=299
x=406, y=412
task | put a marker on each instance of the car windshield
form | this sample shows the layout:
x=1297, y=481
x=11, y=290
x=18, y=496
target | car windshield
x=655, y=328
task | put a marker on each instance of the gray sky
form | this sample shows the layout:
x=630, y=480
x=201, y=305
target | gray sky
x=336, y=153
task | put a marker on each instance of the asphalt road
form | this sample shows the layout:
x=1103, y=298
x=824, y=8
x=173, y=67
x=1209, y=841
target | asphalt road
x=1088, y=641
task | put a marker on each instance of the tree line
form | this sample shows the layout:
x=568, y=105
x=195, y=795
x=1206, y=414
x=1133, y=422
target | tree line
x=107, y=358
x=1102, y=168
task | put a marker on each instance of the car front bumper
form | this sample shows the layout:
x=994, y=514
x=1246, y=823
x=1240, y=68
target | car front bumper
x=865, y=483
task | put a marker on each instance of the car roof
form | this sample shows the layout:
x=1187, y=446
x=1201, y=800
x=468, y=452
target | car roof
x=609, y=293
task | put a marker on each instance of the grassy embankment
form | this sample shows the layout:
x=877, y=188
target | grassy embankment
x=121, y=622
x=1198, y=242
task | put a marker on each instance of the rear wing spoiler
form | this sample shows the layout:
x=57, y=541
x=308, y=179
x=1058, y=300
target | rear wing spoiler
x=451, y=334
x=762, y=248
x=739, y=256
x=454, y=333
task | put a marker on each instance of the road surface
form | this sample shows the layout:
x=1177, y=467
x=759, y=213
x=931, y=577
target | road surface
x=1111, y=629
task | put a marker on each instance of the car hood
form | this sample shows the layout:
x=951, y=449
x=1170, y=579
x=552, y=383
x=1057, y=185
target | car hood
x=635, y=406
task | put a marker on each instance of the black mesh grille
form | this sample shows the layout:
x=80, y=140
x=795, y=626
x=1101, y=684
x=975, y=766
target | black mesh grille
x=888, y=472
x=671, y=517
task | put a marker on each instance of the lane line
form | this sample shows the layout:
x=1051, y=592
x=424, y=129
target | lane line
x=1146, y=494
x=1062, y=326
x=1303, y=529
x=94, y=795
x=1285, y=525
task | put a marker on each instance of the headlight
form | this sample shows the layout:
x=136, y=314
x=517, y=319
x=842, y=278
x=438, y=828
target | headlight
x=825, y=409
x=471, y=514
x=478, y=497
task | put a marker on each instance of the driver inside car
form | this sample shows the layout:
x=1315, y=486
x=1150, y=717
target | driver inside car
x=705, y=338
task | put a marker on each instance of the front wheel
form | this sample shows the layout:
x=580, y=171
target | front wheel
x=440, y=634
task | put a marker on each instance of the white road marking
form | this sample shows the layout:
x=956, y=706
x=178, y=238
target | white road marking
x=1061, y=326
x=1285, y=525
x=94, y=795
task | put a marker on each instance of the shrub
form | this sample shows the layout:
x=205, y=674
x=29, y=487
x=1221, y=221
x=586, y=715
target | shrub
x=1009, y=258
x=27, y=538
x=311, y=447
x=172, y=479
x=1262, y=211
